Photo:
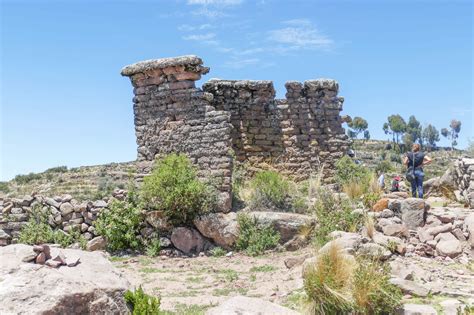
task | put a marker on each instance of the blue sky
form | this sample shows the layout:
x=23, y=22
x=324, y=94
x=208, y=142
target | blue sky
x=63, y=101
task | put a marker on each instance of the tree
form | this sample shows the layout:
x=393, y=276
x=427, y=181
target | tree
x=358, y=125
x=396, y=126
x=414, y=130
x=366, y=135
x=351, y=134
x=452, y=133
x=430, y=135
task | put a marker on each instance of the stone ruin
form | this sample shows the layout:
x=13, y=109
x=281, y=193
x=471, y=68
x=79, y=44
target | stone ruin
x=230, y=121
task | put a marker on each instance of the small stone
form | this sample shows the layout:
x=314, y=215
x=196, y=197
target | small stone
x=60, y=258
x=72, y=261
x=30, y=257
x=97, y=243
x=66, y=208
x=53, y=263
x=41, y=259
x=99, y=204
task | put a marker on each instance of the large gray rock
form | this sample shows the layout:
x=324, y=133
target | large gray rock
x=221, y=228
x=97, y=243
x=241, y=305
x=346, y=241
x=417, y=309
x=93, y=286
x=412, y=211
x=469, y=226
x=287, y=224
x=451, y=248
x=410, y=287
x=188, y=240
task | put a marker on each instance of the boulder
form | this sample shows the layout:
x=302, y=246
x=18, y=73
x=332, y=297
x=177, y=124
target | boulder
x=417, y=309
x=287, y=224
x=91, y=287
x=66, y=208
x=188, y=240
x=346, y=241
x=221, y=228
x=469, y=227
x=374, y=251
x=451, y=306
x=412, y=211
x=242, y=305
x=450, y=248
x=158, y=220
x=395, y=230
x=410, y=287
x=97, y=243
x=380, y=205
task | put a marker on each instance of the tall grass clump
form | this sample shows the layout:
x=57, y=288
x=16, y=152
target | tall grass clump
x=255, y=238
x=338, y=284
x=174, y=189
x=328, y=282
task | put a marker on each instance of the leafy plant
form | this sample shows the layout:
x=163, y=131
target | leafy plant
x=173, y=187
x=141, y=303
x=25, y=179
x=384, y=166
x=4, y=187
x=120, y=225
x=347, y=171
x=333, y=214
x=217, y=252
x=57, y=169
x=153, y=247
x=254, y=238
x=269, y=188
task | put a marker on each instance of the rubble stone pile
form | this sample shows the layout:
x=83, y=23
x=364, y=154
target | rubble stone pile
x=41, y=255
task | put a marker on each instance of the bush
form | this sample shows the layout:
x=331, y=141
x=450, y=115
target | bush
x=141, y=303
x=337, y=284
x=38, y=231
x=120, y=225
x=218, y=252
x=327, y=283
x=174, y=188
x=4, y=187
x=25, y=179
x=372, y=291
x=57, y=169
x=255, y=238
x=384, y=167
x=153, y=248
x=269, y=188
x=333, y=214
x=347, y=171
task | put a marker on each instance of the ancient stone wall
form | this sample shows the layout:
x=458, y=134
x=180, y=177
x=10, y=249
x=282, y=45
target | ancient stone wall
x=172, y=115
x=296, y=135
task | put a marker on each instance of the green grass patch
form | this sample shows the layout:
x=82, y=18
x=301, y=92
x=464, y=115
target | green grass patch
x=264, y=268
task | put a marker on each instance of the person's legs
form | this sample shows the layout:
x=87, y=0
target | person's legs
x=413, y=188
x=419, y=183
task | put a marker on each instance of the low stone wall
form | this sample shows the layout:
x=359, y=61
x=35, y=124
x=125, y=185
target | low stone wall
x=463, y=176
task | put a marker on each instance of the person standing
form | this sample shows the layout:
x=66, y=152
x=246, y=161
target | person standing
x=415, y=160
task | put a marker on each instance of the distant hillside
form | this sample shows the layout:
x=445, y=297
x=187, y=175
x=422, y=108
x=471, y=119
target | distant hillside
x=95, y=182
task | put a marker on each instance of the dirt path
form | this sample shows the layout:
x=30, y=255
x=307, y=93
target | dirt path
x=201, y=282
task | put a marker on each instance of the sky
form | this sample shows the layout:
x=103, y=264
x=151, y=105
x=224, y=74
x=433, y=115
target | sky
x=63, y=101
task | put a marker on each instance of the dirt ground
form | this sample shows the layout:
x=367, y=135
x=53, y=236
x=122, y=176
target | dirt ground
x=195, y=284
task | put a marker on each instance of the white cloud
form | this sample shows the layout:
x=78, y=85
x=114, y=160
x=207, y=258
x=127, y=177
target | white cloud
x=300, y=34
x=211, y=14
x=200, y=37
x=241, y=63
x=250, y=51
x=190, y=28
x=222, y=3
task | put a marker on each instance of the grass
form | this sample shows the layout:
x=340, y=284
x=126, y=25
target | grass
x=118, y=258
x=195, y=279
x=295, y=300
x=264, y=268
x=148, y=270
x=229, y=275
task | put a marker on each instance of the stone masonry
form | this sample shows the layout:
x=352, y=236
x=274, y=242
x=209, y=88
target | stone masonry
x=239, y=120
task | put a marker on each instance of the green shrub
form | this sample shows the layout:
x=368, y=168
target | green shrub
x=25, y=179
x=269, y=188
x=4, y=187
x=174, y=188
x=57, y=169
x=153, y=247
x=38, y=231
x=347, y=171
x=218, y=252
x=384, y=167
x=255, y=238
x=333, y=214
x=120, y=225
x=141, y=303
x=372, y=291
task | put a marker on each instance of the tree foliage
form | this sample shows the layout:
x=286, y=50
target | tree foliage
x=396, y=126
x=414, y=130
x=358, y=125
x=430, y=135
x=453, y=132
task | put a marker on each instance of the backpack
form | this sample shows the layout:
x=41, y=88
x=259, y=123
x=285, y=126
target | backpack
x=410, y=175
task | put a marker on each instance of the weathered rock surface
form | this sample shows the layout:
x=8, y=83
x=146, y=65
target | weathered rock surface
x=221, y=228
x=188, y=240
x=97, y=243
x=451, y=248
x=410, y=287
x=287, y=224
x=417, y=309
x=241, y=305
x=92, y=287
x=469, y=223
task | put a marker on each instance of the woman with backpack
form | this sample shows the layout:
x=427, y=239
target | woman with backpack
x=415, y=160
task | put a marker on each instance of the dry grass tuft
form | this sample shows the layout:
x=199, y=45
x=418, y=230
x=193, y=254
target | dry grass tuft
x=369, y=226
